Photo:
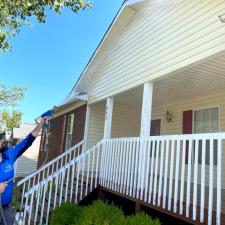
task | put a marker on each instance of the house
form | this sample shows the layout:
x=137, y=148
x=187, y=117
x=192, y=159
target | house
x=27, y=163
x=146, y=119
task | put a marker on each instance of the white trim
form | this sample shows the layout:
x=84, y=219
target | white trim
x=71, y=127
x=86, y=129
x=108, y=118
x=146, y=114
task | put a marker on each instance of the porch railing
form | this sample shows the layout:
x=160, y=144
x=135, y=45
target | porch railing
x=69, y=177
x=179, y=173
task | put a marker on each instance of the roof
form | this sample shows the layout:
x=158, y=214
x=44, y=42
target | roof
x=74, y=95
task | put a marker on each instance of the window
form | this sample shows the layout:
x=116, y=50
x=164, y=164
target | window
x=69, y=131
x=206, y=121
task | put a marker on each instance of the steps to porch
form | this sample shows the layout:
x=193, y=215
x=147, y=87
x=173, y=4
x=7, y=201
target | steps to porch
x=167, y=173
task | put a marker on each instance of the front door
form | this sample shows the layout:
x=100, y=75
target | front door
x=155, y=127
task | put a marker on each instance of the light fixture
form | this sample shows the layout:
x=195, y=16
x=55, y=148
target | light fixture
x=222, y=18
x=168, y=116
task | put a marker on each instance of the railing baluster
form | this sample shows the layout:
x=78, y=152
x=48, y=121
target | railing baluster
x=123, y=166
x=97, y=165
x=92, y=170
x=129, y=172
x=106, y=163
x=72, y=181
x=166, y=173
x=118, y=167
x=152, y=169
x=171, y=174
x=188, y=194
x=176, y=176
x=147, y=169
x=77, y=181
x=195, y=179
x=127, y=145
x=156, y=172
x=182, y=176
x=161, y=172
x=88, y=171
x=82, y=178
x=219, y=177
x=133, y=143
x=112, y=164
x=211, y=167
x=115, y=161
x=202, y=202
x=135, y=191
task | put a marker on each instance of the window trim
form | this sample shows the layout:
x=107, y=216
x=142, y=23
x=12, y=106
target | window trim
x=72, y=125
x=193, y=122
x=202, y=108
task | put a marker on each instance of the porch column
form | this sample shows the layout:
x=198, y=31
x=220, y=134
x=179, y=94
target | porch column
x=108, y=118
x=146, y=110
x=86, y=128
x=146, y=116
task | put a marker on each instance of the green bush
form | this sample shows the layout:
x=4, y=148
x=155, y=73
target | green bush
x=142, y=219
x=65, y=214
x=101, y=214
x=97, y=214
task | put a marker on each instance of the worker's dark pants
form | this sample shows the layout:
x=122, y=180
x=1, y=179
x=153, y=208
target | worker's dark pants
x=9, y=216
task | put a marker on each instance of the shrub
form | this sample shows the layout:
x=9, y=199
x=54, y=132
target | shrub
x=97, y=214
x=101, y=214
x=142, y=219
x=65, y=214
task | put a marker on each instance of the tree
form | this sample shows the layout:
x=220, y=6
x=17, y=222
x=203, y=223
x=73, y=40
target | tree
x=10, y=97
x=15, y=13
x=11, y=120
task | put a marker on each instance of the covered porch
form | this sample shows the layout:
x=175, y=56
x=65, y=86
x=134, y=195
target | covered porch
x=185, y=112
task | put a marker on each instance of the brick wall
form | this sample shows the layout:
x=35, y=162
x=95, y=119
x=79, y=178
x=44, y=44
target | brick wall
x=58, y=131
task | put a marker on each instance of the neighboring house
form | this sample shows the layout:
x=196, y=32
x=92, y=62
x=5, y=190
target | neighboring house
x=27, y=163
x=150, y=106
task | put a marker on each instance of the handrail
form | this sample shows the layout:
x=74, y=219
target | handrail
x=69, y=181
x=50, y=163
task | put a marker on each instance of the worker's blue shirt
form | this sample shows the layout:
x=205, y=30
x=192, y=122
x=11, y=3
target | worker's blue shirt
x=7, y=166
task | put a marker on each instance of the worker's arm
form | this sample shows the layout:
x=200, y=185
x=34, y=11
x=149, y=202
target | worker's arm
x=20, y=148
x=38, y=128
x=3, y=187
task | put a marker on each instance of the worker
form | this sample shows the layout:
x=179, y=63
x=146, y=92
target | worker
x=8, y=156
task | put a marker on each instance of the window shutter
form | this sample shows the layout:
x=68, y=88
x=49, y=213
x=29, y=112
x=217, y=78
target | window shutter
x=187, y=128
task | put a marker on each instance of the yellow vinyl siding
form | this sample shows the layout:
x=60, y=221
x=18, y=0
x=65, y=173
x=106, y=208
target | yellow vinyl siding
x=159, y=41
x=126, y=121
x=96, y=124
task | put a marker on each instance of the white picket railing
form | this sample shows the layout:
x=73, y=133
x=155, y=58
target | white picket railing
x=164, y=170
x=178, y=173
x=69, y=177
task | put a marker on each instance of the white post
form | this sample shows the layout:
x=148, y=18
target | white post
x=146, y=110
x=108, y=118
x=86, y=129
x=146, y=116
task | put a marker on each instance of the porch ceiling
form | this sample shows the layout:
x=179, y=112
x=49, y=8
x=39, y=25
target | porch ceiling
x=203, y=79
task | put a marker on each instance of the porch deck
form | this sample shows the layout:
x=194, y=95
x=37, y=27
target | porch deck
x=177, y=215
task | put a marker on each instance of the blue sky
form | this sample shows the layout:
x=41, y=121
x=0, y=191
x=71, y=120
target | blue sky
x=48, y=58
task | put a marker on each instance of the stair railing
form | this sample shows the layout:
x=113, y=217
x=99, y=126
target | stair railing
x=69, y=177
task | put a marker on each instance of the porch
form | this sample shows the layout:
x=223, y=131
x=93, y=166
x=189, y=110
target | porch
x=178, y=107
x=174, y=165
